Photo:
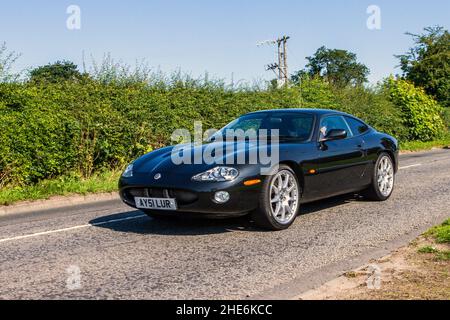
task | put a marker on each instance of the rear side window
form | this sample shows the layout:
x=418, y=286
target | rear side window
x=357, y=127
x=302, y=126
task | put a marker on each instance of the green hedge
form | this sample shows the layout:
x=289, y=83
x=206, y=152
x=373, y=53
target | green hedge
x=84, y=127
x=421, y=114
x=53, y=129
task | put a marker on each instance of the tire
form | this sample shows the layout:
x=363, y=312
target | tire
x=376, y=192
x=269, y=214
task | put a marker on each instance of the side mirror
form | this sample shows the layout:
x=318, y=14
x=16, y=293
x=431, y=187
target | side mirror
x=335, y=134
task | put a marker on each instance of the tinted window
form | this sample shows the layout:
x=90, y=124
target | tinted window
x=290, y=125
x=301, y=125
x=247, y=124
x=333, y=122
x=356, y=126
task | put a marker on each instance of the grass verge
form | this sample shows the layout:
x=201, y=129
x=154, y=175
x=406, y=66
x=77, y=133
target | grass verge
x=441, y=236
x=440, y=233
x=423, y=146
x=63, y=186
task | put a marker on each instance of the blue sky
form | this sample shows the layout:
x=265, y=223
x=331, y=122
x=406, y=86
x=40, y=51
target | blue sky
x=215, y=36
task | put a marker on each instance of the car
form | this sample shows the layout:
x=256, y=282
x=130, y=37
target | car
x=321, y=154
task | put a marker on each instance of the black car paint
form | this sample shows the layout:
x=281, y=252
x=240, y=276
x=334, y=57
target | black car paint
x=340, y=167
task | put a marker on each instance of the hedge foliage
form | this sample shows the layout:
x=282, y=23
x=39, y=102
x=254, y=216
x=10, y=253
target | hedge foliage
x=421, y=115
x=82, y=127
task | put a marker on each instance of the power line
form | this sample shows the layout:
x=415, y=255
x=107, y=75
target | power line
x=282, y=65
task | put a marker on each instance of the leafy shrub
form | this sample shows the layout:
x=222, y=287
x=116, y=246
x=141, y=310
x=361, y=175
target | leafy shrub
x=374, y=106
x=56, y=72
x=82, y=127
x=316, y=93
x=47, y=130
x=38, y=137
x=421, y=114
x=446, y=116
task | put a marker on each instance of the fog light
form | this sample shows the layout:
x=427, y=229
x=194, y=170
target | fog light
x=221, y=196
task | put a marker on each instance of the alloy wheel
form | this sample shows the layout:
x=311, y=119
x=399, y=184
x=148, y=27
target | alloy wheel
x=385, y=176
x=284, y=197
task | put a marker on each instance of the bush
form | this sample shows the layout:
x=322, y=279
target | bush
x=421, y=114
x=446, y=116
x=56, y=72
x=83, y=127
x=373, y=105
x=47, y=130
x=37, y=141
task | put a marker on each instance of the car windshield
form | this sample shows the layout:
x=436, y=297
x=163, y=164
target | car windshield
x=290, y=126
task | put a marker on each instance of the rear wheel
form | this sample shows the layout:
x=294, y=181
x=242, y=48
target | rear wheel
x=383, y=179
x=279, y=201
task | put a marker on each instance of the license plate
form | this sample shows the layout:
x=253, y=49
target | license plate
x=156, y=203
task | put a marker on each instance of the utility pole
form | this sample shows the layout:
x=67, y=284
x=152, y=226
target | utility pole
x=285, y=65
x=282, y=65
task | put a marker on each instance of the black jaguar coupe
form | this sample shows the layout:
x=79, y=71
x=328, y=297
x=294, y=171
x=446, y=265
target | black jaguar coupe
x=293, y=156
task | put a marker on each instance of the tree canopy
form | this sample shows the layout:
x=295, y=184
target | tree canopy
x=427, y=63
x=339, y=67
x=56, y=72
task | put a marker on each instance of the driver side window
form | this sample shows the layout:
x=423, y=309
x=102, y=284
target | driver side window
x=330, y=123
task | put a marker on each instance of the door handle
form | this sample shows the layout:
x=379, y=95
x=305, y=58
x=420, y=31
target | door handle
x=361, y=144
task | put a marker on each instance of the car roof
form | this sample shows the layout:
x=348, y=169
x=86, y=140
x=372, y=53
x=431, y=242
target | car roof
x=319, y=112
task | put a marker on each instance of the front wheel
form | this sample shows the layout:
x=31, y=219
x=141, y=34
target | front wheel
x=279, y=201
x=383, y=179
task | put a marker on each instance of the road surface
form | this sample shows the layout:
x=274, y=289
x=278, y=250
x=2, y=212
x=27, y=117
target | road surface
x=108, y=251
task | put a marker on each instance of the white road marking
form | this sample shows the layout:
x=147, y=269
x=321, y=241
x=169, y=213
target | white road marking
x=411, y=166
x=32, y=235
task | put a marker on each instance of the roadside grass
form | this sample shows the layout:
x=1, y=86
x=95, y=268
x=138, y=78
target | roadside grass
x=428, y=249
x=423, y=146
x=100, y=182
x=440, y=235
x=443, y=255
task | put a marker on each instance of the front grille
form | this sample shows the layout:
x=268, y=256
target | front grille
x=182, y=196
x=135, y=192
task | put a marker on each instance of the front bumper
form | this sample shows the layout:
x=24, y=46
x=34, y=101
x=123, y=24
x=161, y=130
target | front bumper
x=194, y=197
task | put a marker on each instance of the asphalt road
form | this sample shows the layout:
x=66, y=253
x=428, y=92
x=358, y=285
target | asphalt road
x=107, y=251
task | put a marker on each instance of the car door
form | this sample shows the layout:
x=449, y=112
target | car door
x=340, y=163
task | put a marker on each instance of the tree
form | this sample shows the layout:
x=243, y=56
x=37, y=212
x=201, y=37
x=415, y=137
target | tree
x=427, y=63
x=57, y=72
x=338, y=67
x=7, y=59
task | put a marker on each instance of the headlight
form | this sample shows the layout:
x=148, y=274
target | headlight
x=128, y=173
x=218, y=174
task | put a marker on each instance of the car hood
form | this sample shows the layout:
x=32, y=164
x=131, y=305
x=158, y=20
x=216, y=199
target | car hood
x=160, y=161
